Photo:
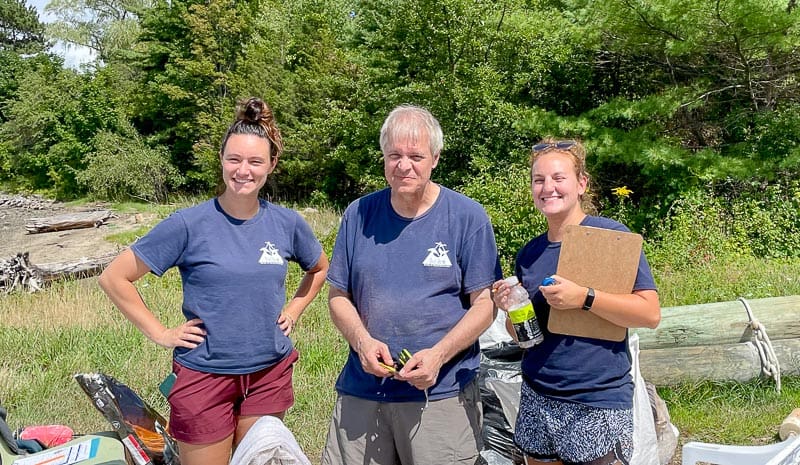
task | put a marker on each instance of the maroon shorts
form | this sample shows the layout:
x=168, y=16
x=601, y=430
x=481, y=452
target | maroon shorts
x=204, y=406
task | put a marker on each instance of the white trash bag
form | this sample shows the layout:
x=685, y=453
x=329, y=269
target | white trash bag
x=269, y=442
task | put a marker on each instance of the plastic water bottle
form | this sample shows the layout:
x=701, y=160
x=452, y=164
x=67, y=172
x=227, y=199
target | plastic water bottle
x=522, y=316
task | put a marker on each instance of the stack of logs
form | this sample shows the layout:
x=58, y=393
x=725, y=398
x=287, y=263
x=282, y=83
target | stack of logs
x=715, y=341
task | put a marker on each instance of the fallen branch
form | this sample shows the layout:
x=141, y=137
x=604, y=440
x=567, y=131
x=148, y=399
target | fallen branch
x=18, y=273
x=69, y=221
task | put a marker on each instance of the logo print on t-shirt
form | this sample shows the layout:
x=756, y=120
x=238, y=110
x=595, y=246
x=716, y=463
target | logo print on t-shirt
x=437, y=256
x=269, y=255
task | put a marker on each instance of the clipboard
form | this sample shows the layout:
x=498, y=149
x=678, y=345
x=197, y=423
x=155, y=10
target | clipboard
x=604, y=259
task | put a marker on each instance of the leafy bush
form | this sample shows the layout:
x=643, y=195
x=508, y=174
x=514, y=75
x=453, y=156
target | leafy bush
x=695, y=233
x=728, y=222
x=765, y=217
x=122, y=167
x=507, y=199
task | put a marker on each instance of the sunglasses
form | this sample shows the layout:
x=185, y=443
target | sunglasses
x=558, y=145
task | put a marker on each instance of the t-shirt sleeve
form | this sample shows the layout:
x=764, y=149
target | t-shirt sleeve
x=339, y=270
x=162, y=247
x=480, y=264
x=307, y=249
x=644, y=276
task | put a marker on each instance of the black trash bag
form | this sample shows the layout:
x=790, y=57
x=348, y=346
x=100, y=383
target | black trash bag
x=505, y=352
x=6, y=435
x=498, y=364
x=142, y=430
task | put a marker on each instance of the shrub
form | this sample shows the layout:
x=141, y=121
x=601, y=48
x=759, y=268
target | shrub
x=695, y=233
x=728, y=222
x=122, y=167
x=765, y=216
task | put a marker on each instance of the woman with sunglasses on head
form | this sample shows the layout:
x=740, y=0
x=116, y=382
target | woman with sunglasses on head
x=577, y=394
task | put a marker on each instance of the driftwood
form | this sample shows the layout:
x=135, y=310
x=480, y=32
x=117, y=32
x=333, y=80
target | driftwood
x=83, y=268
x=78, y=220
x=18, y=273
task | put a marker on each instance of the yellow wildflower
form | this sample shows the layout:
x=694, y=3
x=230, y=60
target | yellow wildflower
x=622, y=192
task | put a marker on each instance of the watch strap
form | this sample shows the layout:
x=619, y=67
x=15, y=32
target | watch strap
x=587, y=304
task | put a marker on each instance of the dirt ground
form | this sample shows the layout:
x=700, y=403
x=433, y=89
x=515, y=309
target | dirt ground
x=58, y=246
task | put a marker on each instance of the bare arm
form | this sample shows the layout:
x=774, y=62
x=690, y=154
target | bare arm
x=422, y=369
x=306, y=291
x=639, y=309
x=117, y=282
x=345, y=316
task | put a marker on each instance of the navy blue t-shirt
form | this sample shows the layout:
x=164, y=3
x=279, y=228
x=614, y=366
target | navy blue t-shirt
x=233, y=274
x=575, y=369
x=410, y=281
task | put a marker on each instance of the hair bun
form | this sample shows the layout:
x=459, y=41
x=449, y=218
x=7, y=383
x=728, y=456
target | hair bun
x=254, y=116
x=252, y=110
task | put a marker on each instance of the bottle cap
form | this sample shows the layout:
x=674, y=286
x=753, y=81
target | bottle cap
x=511, y=281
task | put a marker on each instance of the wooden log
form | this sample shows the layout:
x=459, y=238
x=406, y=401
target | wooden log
x=722, y=323
x=83, y=268
x=77, y=220
x=736, y=362
x=18, y=273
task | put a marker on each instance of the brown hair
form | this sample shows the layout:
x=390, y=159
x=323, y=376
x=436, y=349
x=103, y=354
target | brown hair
x=254, y=116
x=577, y=153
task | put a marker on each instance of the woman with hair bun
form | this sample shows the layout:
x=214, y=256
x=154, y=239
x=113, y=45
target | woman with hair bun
x=233, y=357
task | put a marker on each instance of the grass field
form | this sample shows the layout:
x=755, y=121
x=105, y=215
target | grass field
x=47, y=337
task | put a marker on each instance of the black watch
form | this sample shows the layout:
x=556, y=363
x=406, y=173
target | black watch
x=587, y=304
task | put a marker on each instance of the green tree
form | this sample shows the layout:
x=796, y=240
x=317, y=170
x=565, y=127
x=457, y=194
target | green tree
x=20, y=29
x=51, y=125
x=679, y=94
x=21, y=34
x=13, y=66
x=107, y=27
x=189, y=52
x=300, y=64
x=442, y=55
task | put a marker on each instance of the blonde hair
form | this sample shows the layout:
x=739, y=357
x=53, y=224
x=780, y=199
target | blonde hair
x=576, y=151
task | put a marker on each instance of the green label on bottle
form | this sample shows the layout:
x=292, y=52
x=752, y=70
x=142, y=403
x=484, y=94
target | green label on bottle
x=524, y=313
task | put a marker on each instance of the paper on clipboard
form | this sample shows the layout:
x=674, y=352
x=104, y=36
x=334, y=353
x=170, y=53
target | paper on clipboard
x=603, y=259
